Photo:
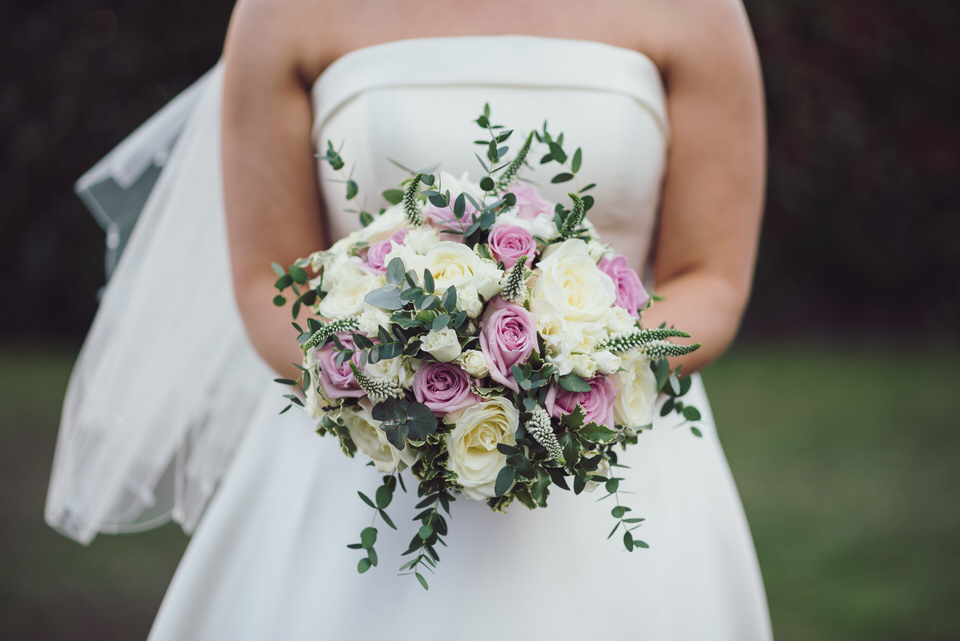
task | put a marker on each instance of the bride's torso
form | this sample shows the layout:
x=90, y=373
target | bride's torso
x=415, y=102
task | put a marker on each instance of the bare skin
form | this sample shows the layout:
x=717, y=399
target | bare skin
x=706, y=242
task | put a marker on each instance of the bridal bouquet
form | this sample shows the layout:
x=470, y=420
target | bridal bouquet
x=483, y=339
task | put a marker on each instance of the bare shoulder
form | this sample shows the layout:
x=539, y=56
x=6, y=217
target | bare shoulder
x=709, y=38
x=282, y=39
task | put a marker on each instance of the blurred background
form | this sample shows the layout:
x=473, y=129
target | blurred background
x=836, y=405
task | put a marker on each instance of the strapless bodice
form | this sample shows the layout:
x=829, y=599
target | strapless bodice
x=415, y=102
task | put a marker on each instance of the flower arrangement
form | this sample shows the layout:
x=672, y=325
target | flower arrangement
x=483, y=339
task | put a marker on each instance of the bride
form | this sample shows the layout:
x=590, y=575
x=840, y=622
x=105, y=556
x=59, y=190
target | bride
x=664, y=98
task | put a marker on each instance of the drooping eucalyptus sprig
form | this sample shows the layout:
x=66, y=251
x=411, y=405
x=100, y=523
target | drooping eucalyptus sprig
x=335, y=160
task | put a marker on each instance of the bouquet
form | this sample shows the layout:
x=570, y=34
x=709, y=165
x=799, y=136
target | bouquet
x=482, y=339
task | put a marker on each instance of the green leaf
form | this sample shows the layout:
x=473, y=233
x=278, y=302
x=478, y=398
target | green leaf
x=505, y=479
x=612, y=485
x=562, y=178
x=422, y=580
x=628, y=541
x=573, y=383
x=596, y=433
x=696, y=431
x=619, y=511
x=577, y=158
x=365, y=218
x=440, y=322
x=279, y=300
x=449, y=299
x=487, y=183
x=393, y=196
x=428, y=284
x=298, y=274
x=459, y=206
x=368, y=537
x=363, y=565
x=277, y=269
x=691, y=413
x=420, y=421
x=557, y=152
x=386, y=519
x=384, y=496
x=283, y=282
x=668, y=406
x=372, y=555
x=386, y=297
x=425, y=532
x=366, y=499
x=352, y=189
x=395, y=271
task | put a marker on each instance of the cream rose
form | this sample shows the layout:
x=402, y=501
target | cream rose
x=472, y=445
x=443, y=345
x=372, y=441
x=455, y=264
x=473, y=363
x=607, y=361
x=636, y=391
x=571, y=286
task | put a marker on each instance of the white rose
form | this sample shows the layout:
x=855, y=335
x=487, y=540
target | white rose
x=372, y=441
x=455, y=264
x=468, y=300
x=584, y=366
x=570, y=285
x=636, y=391
x=443, y=345
x=607, y=361
x=473, y=363
x=472, y=445
x=348, y=284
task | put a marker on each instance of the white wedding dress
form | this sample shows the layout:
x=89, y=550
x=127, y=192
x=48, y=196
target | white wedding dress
x=269, y=558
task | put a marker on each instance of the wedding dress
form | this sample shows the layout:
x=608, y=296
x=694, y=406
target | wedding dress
x=269, y=558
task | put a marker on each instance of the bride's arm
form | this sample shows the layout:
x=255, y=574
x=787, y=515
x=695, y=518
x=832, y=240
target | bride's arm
x=713, y=195
x=271, y=194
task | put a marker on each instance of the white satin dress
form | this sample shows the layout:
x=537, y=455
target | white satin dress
x=269, y=558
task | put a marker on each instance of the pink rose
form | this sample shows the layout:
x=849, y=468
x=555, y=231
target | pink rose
x=597, y=404
x=509, y=242
x=337, y=380
x=444, y=219
x=630, y=292
x=443, y=387
x=530, y=203
x=379, y=250
x=508, y=333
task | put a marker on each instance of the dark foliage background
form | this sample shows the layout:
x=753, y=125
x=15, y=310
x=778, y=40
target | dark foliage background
x=861, y=231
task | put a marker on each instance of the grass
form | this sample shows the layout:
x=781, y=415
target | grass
x=845, y=458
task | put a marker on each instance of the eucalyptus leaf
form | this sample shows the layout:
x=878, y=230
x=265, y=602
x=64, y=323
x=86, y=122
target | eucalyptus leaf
x=573, y=383
x=387, y=297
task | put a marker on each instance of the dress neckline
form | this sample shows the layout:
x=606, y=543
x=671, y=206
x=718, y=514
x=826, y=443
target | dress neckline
x=349, y=56
x=490, y=60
